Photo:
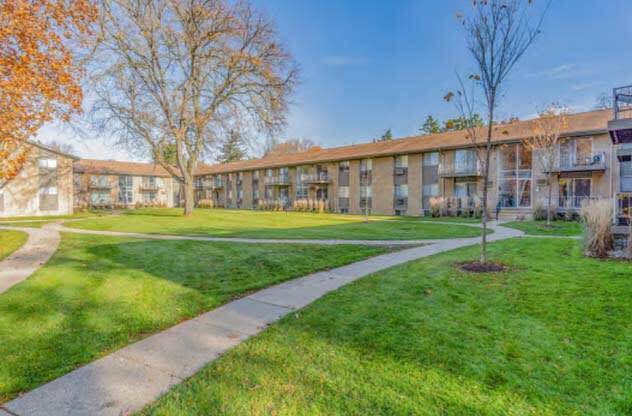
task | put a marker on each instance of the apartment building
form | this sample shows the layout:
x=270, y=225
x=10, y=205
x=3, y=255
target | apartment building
x=406, y=176
x=108, y=183
x=42, y=187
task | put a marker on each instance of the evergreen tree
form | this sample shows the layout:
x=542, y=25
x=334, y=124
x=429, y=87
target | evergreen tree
x=388, y=135
x=232, y=149
x=431, y=125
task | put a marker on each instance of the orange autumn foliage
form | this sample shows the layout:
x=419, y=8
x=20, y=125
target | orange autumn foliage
x=39, y=76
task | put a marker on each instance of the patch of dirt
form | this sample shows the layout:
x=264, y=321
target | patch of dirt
x=477, y=267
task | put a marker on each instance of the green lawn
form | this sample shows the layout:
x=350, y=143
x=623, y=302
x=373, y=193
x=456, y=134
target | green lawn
x=10, y=241
x=551, y=336
x=99, y=293
x=266, y=224
x=38, y=221
x=561, y=228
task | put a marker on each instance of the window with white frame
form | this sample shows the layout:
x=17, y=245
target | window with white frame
x=343, y=192
x=47, y=163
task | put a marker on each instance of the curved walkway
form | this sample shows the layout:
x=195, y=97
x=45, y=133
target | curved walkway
x=134, y=376
x=20, y=264
x=60, y=228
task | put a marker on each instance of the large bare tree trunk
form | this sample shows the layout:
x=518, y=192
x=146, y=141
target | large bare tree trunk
x=188, y=197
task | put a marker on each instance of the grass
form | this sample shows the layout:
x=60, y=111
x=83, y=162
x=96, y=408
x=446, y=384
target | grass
x=38, y=221
x=560, y=228
x=100, y=293
x=266, y=224
x=10, y=241
x=551, y=336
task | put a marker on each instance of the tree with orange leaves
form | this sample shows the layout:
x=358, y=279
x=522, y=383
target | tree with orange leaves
x=39, y=75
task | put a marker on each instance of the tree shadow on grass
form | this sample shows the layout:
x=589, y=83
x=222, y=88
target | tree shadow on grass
x=98, y=294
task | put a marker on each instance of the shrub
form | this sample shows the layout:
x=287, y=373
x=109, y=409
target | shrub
x=539, y=211
x=205, y=203
x=597, y=217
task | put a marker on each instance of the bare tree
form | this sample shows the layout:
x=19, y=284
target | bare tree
x=289, y=146
x=544, y=143
x=498, y=34
x=184, y=74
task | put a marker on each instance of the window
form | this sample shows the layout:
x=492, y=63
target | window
x=431, y=159
x=365, y=192
x=255, y=175
x=401, y=161
x=401, y=191
x=464, y=161
x=366, y=165
x=431, y=189
x=464, y=189
x=151, y=196
x=269, y=172
x=99, y=181
x=268, y=192
x=514, y=176
x=575, y=152
x=126, y=191
x=47, y=163
x=343, y=173
x=574, y=191
x=100, y=198
x=301, y=187
x=343, y=192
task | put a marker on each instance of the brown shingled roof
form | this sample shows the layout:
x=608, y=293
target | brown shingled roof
x=580, y=123
x=113, y=167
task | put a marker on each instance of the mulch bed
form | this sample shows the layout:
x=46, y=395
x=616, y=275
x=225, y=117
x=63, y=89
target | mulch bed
x=477, y=267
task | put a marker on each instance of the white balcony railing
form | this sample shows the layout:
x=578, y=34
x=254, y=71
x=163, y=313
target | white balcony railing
x=320, y=177
x=279, y=180
x=596, y=161
x=460, y=169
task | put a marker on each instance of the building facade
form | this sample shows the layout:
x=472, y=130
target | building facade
x=425, y=175
x=436, y=174
x=42, y=187
x=113, y=184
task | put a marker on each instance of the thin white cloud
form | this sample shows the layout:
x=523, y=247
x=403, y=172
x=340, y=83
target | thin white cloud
x=563, y=71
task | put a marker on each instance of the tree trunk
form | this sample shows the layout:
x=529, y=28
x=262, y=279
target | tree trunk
x=483, y=257
x=188, y=197
x=548, y=206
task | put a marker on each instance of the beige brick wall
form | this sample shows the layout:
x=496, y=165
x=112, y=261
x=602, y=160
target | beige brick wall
x=354, y=187
x=21, y=195
x=414, y=185
x=246, y=186
x=383, y=186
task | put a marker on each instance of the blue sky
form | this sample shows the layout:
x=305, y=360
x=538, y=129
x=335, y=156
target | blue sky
x=369, y=65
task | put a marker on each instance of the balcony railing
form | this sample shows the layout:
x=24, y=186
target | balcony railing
x=594, y=162
x=320, y=177
x=218, y=183
x=99, y=185
x=624, y=208
x=573, y=202
x=622, y=102
x=280, y=180
x=149, y=187
x=460, y=170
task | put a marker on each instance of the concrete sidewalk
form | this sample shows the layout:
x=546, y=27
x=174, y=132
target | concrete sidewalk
x=129, y=379
x=23, y=262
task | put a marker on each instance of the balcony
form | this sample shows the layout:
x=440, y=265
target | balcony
x=149, y=187
x=316, y=178
x=620, y=127
x=593, y=163
x=218, y=183
x=459, y=170
x=572, y=202
x=624, y=208
x=280, y=180
x=366, y=177
x=99, y=186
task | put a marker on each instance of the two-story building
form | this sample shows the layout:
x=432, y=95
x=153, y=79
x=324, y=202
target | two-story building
x=42, y=187
x=407, y=176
